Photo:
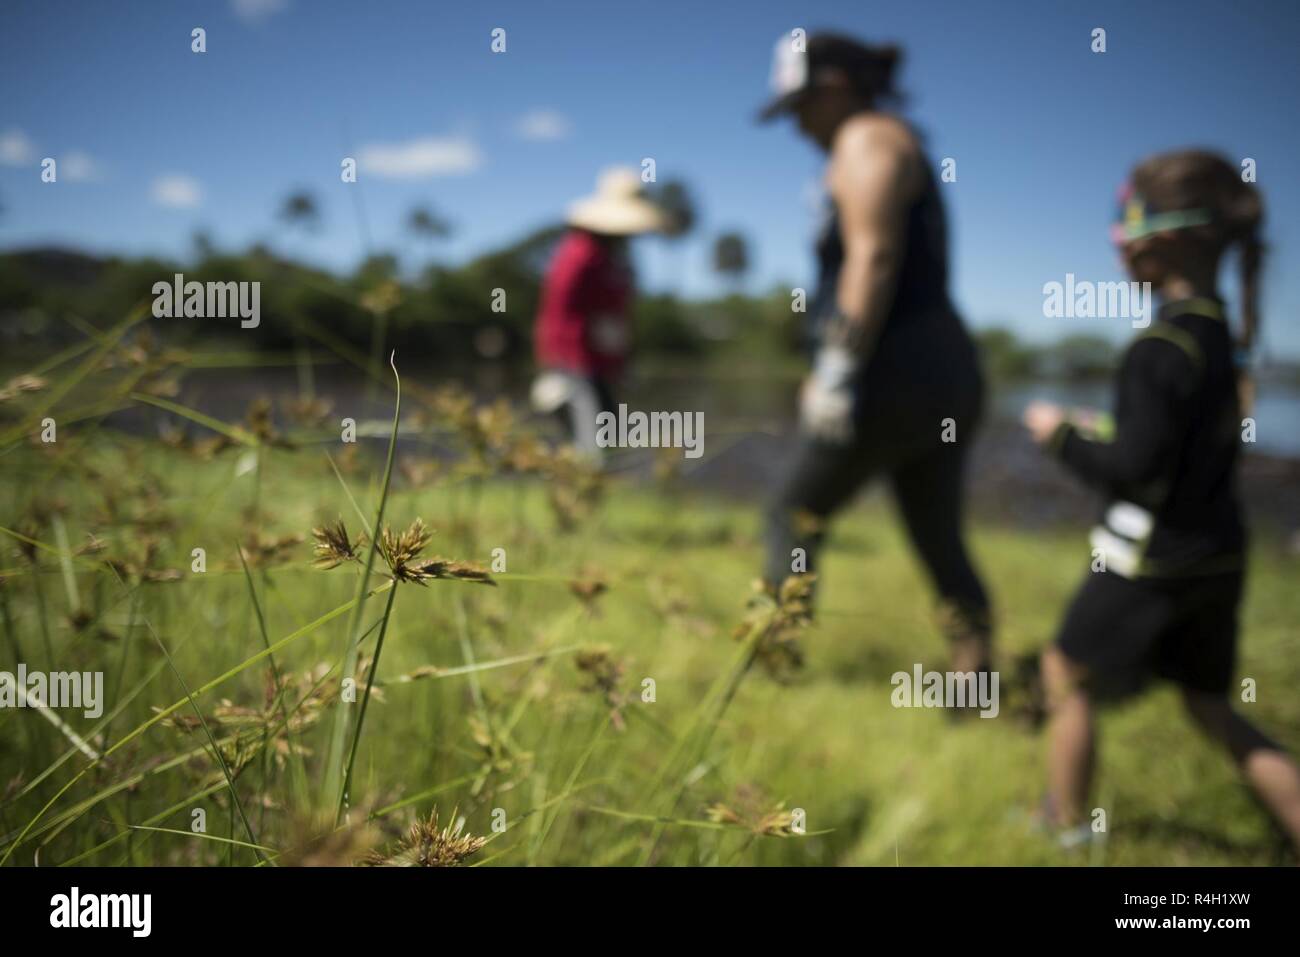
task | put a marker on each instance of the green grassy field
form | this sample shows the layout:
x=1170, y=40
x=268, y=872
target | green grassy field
x=506, y=723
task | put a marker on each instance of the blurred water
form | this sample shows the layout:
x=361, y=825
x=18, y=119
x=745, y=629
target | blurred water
x=742, y=398
x=749, y=430
x=1276, y=413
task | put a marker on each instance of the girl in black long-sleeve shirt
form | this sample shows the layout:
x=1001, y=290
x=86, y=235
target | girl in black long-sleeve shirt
x=1168, y=553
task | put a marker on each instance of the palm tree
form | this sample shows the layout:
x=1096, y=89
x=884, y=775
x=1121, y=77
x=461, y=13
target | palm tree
x=426, y=225
x=204, y=248
x=299, y=211
x=675, y=200
x=424, y=222
x=678, y=206
x=731, y=257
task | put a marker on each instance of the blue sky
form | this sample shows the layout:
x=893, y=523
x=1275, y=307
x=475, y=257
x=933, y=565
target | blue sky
x=155, y=141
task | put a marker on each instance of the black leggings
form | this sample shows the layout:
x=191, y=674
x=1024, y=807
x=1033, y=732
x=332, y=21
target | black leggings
x=898, y=436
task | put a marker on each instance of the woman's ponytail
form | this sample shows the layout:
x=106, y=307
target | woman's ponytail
x=1250, y=251
x=1244, y=215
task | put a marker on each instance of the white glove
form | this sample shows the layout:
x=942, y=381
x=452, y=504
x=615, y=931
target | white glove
x=551, y=389
x=826, y=403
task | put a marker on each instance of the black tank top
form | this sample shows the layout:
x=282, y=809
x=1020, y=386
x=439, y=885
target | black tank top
x=921, y=295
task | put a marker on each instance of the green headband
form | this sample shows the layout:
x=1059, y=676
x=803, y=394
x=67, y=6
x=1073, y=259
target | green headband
x=1136, y=221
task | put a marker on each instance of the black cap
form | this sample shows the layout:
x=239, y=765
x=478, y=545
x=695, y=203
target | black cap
x=799, y=64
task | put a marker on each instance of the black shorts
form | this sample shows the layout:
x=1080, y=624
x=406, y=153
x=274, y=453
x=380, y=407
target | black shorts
x=1128, y=631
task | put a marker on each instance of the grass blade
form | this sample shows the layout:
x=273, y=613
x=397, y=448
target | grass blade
x=333, y=769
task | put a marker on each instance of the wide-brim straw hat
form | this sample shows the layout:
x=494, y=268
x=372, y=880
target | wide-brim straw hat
x=618, y=207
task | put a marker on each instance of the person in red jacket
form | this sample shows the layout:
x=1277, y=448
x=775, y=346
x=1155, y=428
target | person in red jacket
x=582, y=335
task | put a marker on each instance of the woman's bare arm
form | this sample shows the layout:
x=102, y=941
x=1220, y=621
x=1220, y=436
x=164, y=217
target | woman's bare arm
x=874, y=176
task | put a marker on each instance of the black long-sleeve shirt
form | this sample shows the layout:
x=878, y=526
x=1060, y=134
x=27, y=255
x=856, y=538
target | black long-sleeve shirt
x=1175, y=443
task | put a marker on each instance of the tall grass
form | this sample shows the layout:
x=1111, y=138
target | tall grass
x=509, y=724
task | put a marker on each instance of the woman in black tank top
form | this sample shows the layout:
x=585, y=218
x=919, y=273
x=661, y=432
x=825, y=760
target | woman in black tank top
x=895, y=390
x=921, y=288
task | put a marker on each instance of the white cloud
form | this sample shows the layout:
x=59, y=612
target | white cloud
x=421, y=158
x=543, y=125
x=78, y=167
x=255, y=11
x=179, y=192
x=16, y=149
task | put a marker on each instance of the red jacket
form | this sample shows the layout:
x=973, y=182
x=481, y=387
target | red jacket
x=583, y=324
